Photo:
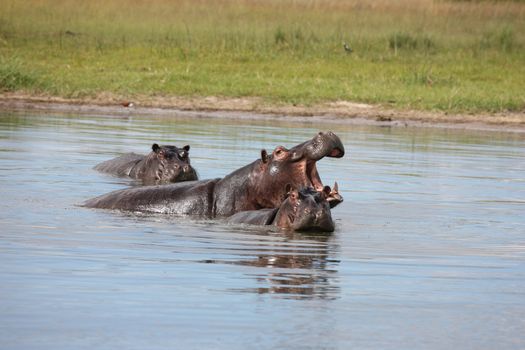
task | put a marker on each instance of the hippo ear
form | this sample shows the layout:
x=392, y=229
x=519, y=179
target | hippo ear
x=326, y=192
x=155, y=148
x=288, y=188
x=336, y=187
x=184, y=152
x=264, y=156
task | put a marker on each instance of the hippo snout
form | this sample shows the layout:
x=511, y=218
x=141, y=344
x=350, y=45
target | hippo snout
x=324, y=144
x=187, y=173
x=334, y=142
x=323, y=220
x=314, y=220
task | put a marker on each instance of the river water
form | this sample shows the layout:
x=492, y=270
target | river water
x=428, y=252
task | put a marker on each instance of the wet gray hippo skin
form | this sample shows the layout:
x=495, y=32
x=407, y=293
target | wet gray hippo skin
x=260, y=184
x=302, y=210
x=164, y=164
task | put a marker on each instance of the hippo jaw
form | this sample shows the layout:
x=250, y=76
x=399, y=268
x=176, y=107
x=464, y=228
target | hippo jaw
x=296, y=167
x=188, y=173
x=312, y=175
x=316, y=220
x=322, y=145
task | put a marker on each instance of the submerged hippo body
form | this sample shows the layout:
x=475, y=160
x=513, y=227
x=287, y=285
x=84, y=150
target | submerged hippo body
x=302, y=210
x=164, y=164
x=261, y=184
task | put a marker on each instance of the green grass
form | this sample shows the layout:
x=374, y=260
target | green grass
x=464, y=56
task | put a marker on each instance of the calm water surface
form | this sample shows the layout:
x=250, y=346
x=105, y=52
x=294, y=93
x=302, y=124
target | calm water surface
x=428, y=253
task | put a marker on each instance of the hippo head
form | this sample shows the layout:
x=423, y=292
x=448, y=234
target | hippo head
x=170, y=164
x=295, y=166
x=305, y=210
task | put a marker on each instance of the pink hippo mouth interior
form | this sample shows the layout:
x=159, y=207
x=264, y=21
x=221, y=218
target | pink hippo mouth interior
x=310, y=152
x=312, y=176
x=336, y=153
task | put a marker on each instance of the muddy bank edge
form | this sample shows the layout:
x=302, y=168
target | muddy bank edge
x=254, y=108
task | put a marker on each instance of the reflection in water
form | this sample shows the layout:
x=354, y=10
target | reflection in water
x=427, y=253
x=300, y=269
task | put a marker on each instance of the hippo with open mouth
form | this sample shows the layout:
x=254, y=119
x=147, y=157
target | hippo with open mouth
x=164, y=164
x=302, y=210
x=260, y=184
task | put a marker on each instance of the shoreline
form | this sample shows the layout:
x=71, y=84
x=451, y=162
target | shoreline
x=255, y=109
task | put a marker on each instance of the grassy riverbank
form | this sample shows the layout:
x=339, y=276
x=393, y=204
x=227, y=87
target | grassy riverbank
x=420, y=54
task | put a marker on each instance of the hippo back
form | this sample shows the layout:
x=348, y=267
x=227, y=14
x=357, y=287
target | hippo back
x=164, y=164
x=185, y=198
x=253, y=217
x=120, y=166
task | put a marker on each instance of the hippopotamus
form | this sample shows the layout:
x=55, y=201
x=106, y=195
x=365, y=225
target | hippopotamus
x=164, y=164
x=302, y=210
x=258, y=185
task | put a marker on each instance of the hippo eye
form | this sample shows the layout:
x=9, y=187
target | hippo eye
x=279, y=151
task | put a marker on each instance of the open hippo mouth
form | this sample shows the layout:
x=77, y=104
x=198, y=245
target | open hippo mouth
x=312, y=176
x=308, y=153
